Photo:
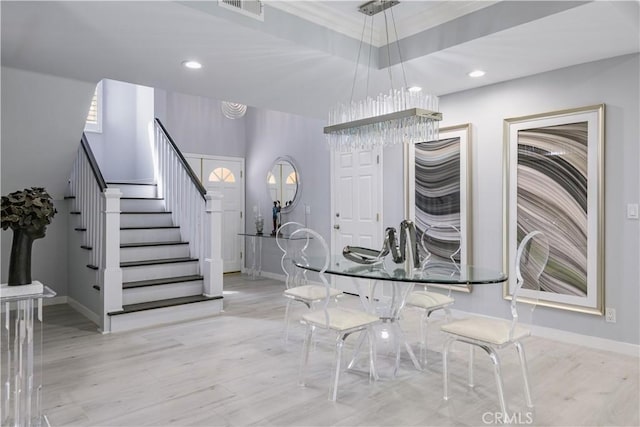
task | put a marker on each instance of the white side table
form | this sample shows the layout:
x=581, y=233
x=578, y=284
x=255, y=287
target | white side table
x=21, y=354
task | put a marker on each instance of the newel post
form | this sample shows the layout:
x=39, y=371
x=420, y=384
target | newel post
x=112, y=284
x=214, y=266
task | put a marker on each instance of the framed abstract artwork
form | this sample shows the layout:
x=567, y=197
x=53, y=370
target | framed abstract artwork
x=438, y=194
x=554, y=183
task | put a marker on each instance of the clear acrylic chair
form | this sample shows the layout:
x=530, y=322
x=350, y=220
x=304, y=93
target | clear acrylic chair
x=492, y=334
x=296, y=283
x=341, y=321
x=429, y=301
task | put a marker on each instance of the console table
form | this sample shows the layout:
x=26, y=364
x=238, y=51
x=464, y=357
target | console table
x=21, y=348
x=256, y=250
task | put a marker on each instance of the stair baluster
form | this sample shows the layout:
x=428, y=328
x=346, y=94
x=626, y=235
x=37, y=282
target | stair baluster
x=186, y=198
x=99, y=209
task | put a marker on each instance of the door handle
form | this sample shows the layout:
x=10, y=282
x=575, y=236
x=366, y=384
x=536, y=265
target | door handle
x=336, y=226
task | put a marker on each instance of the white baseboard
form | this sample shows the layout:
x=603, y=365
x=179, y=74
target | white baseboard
x=265, y=274
x=274, y=276
x=54, y=300
x=586, y=340
x=84, y=311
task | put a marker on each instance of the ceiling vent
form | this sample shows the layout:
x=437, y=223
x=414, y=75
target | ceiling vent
x=252, y=8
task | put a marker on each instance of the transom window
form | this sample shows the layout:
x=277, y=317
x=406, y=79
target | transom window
x=222, y=175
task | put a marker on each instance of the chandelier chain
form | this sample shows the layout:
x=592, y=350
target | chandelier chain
x=395, y=29
x=386, y=29
x=370, y=54
x=355, y=74
x=398, y=116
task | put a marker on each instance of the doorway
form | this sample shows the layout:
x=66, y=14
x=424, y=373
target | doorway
x=226, y=176
x=356, y=200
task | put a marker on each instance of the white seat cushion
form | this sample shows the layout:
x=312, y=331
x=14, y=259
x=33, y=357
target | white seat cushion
x=428, y=300
x=340, y=319
x=311, y=292
x=487, y=330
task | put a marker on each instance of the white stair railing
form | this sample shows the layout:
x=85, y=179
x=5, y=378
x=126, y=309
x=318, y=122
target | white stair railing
x=99, y=209
x=87, y=190
x=196, y=211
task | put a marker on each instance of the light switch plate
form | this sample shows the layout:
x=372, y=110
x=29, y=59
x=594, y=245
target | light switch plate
x=632, y=211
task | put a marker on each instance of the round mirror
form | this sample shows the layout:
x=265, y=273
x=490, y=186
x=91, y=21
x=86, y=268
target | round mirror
x=283, y=183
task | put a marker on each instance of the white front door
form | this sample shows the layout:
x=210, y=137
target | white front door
x=225, y=175
x=357, y=204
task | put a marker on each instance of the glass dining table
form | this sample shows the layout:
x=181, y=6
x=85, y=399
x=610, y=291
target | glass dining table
x=387, y=285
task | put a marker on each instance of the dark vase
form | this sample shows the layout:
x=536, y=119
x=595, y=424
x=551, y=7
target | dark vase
x=20, y=260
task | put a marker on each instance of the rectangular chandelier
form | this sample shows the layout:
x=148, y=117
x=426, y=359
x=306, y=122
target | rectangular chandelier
x=400, y=116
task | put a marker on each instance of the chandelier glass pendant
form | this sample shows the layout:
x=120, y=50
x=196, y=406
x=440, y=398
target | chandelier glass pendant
x=399, y=116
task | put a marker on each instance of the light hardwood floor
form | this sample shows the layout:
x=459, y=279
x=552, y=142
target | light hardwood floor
x=234, y=370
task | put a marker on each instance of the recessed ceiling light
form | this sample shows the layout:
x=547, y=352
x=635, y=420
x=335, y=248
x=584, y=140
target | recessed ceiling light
x=194, y=65
x=476, y=73
x=415, y=89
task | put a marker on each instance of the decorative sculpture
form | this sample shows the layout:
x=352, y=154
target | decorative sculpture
x=391, y=245
x=27, y=213
x=275, y=213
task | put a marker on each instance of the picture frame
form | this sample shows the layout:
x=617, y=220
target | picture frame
x=554, y=183
x=438, y=191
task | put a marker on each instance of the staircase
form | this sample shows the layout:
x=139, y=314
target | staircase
x=161, y=282
x=152, y=252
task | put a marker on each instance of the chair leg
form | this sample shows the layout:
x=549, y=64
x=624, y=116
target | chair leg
x=333, y=389
x=305, y=355
x=525, y=373
x=286, y=320
x=397, y=347
x=471, y=356
x=445, y=366
x=423, y=338
x=496, y=367
x=402, y=338
x=356, y=352
x=373, y=374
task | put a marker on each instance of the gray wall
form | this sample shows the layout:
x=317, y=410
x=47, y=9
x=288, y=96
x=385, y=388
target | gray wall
x=40, y=139
x=613, y=82
x=272, y=134
x=198, y=126
x=38, y=146
x=122, y=150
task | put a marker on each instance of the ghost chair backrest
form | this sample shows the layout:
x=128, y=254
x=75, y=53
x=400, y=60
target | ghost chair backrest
x=531, y=259
x=289, y=252
x=442, y=240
